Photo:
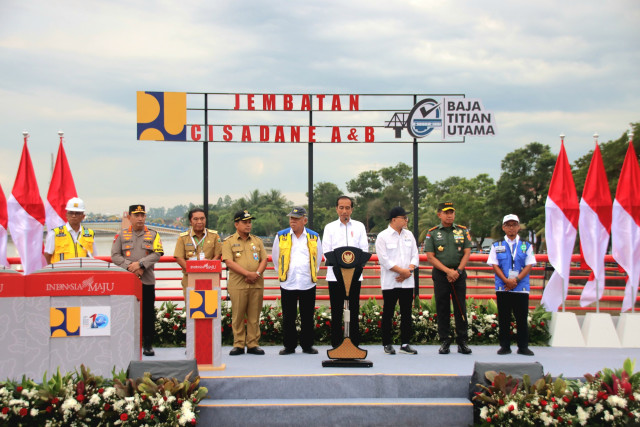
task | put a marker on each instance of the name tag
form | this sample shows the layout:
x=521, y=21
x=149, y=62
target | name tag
x=500, y=249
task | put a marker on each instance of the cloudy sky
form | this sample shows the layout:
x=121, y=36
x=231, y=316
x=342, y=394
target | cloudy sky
x=543, y=68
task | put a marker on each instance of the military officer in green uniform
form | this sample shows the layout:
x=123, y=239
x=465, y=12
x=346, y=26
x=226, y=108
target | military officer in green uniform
x=197, y=243
x=246, y=259
x=448, y=247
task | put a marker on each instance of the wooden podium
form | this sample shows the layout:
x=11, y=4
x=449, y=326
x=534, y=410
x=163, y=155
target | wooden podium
x=204, y=335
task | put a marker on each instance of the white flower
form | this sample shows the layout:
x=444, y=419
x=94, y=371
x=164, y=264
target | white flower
x=615, y=400
x=484, y=412
x=583, y=416
x=108, y=392
x=70, y=404
x=93, y=400
x=34, y=412
x=608, y=416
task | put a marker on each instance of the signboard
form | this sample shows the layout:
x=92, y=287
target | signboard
x=310, y=118
x=85, y=321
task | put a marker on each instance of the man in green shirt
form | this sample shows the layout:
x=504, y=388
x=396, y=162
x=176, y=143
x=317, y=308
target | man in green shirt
x=448, y=247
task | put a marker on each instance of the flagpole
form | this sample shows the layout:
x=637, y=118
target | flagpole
x=564, y=280
x=633, y=305
x=595, y=139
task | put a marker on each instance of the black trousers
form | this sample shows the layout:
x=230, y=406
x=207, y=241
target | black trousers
x=289, y=299
x=148, y=314
x=337, y=295
x=443, y=292
x=518, y=304
x=391, y=297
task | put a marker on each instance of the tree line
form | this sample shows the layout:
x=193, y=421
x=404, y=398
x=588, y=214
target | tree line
x=480, y=202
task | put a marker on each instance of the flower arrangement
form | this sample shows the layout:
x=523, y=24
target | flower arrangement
x=483, y=324
x=607, y=398
x=171, y=324
x=83, y=399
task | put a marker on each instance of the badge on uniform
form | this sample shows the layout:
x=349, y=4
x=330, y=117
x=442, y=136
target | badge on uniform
x=500, y=249
x=524, y=248
x=440, y=248
x=237, y=254
x=127, y=253
x=255, y=256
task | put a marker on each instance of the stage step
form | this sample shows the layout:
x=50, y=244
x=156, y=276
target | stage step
x=337, y=412
x=337, y=399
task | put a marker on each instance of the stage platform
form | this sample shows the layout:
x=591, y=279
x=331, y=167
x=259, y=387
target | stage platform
x=423, y=389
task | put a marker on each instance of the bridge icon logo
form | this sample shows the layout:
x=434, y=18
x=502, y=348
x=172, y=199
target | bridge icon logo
x=423, y=118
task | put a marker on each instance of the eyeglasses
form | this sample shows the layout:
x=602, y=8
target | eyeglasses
x=74, y=213
x=511, y=225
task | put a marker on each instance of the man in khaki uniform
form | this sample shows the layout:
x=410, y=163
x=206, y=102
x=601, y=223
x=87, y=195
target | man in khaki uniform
x=246, y=259
x=196, y=244
x=137, y=249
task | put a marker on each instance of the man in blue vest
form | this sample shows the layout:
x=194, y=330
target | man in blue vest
x=296, y=253
x=512, y=260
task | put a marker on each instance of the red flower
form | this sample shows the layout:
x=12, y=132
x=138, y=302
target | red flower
x=124, y=417
x=475, y=317
x=560, y=419
x=107, y=407
x=24, y=412
x=318, y=325
x=19, y=389
x=167, y=315
x=553, y=399
x=366, y=331
x=151, y=417
x=479, y=334
x=264, y=332
x=543, y=402
x=528, y=405
x=511, y=407
x=55, y=400
x=80, y=398
x=493, y=325
x=193, y=422
x=488, y=419
x=500, y=402
x=49, y=409
x=419, y=313
x=555, y=406
x=5, y=410
x=327, y=323
x=175, y=327
x=566, y=399
x=100, y=390
x=141, y=415
x=541, y=323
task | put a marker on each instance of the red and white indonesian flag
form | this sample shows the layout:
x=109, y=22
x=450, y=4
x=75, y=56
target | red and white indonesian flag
x=61, y=189
x=625, y=226
x=26, y=215
x=595, y=226
x=561, y=224
x=3, y=229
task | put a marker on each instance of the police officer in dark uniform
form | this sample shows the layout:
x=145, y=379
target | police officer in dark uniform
x=448, y=247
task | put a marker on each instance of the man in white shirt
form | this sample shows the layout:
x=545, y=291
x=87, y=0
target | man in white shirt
x=344, y=232
x=398, y=257
x=512, y=260
x=296, y=254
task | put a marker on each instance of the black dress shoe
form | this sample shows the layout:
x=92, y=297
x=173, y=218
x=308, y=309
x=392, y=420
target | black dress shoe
x=255, y=350
x=464, y=348
x=310, y=350
x=525, y=351
x=285, y=351
x=444, y=348
x=236, y=351
x=148, y=351
x=504, y=350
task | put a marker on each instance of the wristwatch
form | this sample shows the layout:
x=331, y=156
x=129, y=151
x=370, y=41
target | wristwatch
x=258, y=273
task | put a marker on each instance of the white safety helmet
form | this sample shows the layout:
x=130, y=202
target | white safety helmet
x=75, y=205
